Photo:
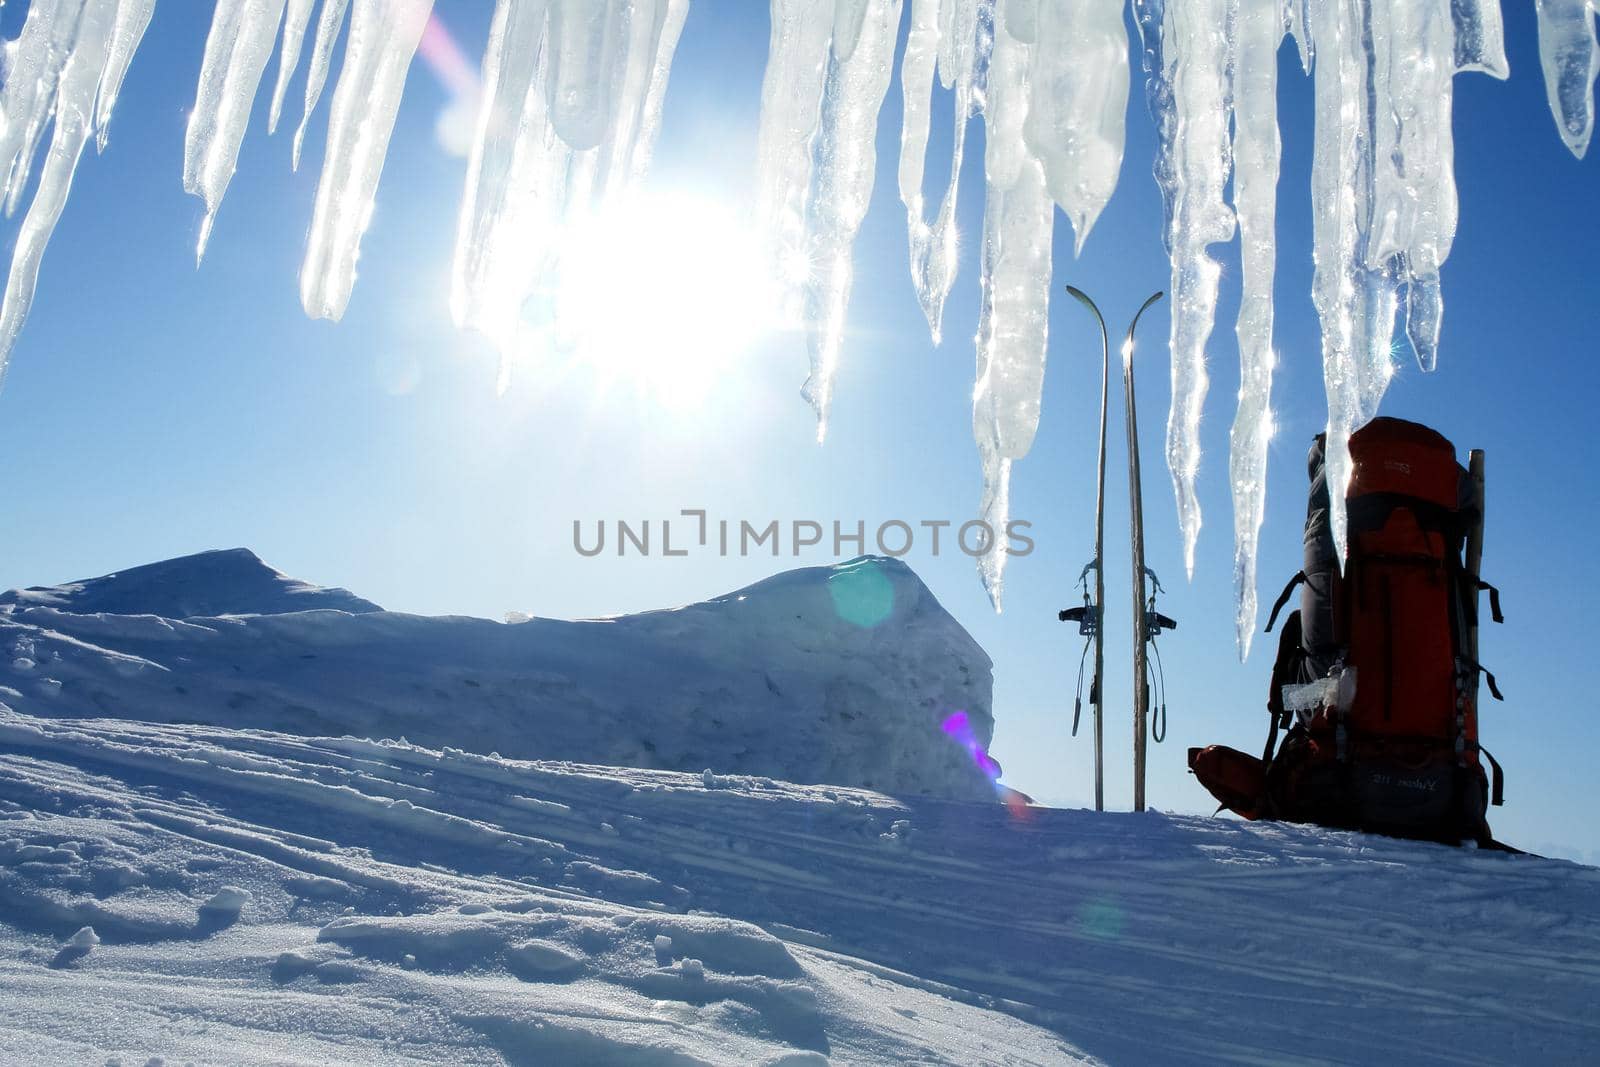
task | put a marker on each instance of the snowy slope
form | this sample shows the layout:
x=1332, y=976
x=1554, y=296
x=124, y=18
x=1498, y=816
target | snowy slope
x=223, y=582
x=406, y=905
x=827, y=674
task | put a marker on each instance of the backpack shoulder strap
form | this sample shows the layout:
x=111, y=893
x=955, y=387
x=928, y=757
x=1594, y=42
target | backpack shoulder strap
x=1285, y=670
x=1283, y=598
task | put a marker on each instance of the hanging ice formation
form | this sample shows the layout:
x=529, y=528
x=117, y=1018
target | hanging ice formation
x=571, y=102
x=1383, y=182
x=571, y=108
x=1050, y=79
x=1570, y=56
x=827, y=74
x=1054, y=100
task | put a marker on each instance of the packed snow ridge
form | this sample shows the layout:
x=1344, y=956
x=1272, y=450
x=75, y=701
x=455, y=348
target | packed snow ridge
x=223, y=582
x=202, y=894
x=569, y=106
x=848, y=674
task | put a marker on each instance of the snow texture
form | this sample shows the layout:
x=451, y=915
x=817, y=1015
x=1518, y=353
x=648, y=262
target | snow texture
x=570, y=107
x=839, y=674
x=405, y=908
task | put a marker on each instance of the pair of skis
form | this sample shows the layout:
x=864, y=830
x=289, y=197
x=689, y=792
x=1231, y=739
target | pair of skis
x=1090, y=617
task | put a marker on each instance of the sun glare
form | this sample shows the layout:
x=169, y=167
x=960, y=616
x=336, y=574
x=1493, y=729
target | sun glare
x=661, y=293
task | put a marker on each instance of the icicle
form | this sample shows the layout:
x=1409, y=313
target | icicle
x=525, y=182
x=1188, y=57
x=1480, y=37
x=497, y=257
x=848, y=17
x=946, y=33
x=1355, y=303
x=30, y=89
x=584, y=37
x=329, y=21
x=791, y=106
x=1079, y=99
x=644, y=139
x=1570, y=56
x=237, y=49
x=383, y=38
x=1013, y=317
x=916, y=86
x=846, y=164
x=133, y=17
x=295, y=18
x=1256, y=152
x=1414, y=209
x=72, y=100
x=653, y=28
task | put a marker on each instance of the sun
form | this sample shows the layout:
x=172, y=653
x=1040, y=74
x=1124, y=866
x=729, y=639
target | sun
x=660, y=293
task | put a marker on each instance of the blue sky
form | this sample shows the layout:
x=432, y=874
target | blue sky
x=153, y=409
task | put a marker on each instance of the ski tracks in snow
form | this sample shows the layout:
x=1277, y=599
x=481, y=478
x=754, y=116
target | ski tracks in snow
x=399, y=902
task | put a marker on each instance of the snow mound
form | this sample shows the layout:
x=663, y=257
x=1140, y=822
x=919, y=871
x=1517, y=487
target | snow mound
x=756, y=923
x=221, y=582
x=840, y=674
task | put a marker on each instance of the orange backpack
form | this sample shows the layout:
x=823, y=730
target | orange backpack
x=1374, y=679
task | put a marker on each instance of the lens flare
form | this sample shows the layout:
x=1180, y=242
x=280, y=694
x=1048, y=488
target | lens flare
x=958, y=727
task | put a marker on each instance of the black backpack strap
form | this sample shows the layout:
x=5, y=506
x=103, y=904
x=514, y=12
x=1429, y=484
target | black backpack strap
x=1498, y=777
x=1283, y=598
x=1488, y=676
x=1285, y=668
x=1494, y=599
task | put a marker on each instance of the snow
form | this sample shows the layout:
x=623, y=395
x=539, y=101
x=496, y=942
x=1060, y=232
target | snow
x=805, y=924
x=838, y=674
x=224, y=582
x=571, y=100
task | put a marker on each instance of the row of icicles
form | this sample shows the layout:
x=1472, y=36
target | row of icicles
x=569, y=101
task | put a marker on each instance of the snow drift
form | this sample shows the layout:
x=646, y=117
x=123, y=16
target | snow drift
x=835, y=674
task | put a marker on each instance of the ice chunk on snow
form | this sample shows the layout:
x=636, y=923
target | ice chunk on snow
x=229, y=900
x=383, y=38
x=85, y=939
x=1570, y=56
